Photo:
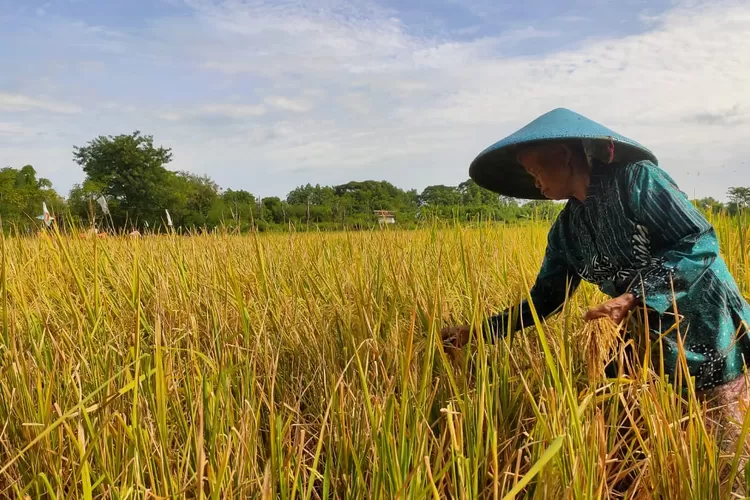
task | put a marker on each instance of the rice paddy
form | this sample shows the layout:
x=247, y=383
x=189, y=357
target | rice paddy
x=309, y=365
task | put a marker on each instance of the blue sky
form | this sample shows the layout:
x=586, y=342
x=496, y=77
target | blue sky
x=266, y=96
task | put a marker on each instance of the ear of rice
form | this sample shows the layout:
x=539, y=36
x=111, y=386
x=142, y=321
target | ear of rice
x=601, y=338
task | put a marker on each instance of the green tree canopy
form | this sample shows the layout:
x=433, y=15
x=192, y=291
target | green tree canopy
x=442, y=196
x=22, y=195
x=709, y=204
x=130, y=172
x=739, y=197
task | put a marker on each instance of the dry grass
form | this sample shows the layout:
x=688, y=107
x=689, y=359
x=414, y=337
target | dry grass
x=309, y=366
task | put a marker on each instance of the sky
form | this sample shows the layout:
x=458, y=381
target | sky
x=269, y=95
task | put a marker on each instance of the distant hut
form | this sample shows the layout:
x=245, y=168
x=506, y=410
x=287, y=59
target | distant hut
x=385, y=217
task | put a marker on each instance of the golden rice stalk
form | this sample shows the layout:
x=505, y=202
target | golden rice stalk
x=601, y=338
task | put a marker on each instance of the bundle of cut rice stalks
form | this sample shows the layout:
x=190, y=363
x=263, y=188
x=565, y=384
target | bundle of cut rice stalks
x=601, y=339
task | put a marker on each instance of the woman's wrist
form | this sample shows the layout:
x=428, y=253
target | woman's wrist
x=631, y=299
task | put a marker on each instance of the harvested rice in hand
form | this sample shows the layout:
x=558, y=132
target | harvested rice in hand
x=601, y=338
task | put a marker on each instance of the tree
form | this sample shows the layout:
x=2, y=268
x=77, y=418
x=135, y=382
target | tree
x=22, y=195
x=81, y=201
x=239, y=206
x=739, y=197
x=273, y=210
x=542, y=209
x=440, y=196
x=130, y=171
x=709, y=205
x=192, y=199
x=473, y=194
x=316, y=195
x=366, y=196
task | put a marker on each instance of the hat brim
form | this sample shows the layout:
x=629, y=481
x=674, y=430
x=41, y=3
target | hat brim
x=497, y=169
x=500, y=172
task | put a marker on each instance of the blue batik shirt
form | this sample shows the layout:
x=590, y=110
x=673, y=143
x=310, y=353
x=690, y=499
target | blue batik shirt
x=637, y=232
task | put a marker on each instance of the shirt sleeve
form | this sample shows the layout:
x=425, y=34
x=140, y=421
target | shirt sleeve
x=554, y=283
x=684, y=243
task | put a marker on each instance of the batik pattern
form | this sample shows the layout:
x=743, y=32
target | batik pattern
x=637, y=232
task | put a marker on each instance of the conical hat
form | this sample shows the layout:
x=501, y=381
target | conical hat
x=497, y=169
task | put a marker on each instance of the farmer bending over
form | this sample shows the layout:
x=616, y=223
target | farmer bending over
x=628, y=229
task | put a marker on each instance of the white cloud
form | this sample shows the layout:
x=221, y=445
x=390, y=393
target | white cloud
x=19, y=102
x=15, y=132
x=286, y=104
x=117, y=107
x=233, y=110
x=168, y=116
x=469, y=30
x=329, y=90
x=673, y=88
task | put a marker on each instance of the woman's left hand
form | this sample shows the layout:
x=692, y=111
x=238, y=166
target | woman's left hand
x=615, y=309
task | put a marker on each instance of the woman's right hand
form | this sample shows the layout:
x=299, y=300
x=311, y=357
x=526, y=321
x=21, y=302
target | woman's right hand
x=455, y=336
x=616, y=309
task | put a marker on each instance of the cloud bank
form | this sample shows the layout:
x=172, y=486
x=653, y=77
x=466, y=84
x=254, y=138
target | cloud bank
x=265, y=96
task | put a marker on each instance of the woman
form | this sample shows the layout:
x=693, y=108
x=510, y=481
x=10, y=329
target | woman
x=628, y=229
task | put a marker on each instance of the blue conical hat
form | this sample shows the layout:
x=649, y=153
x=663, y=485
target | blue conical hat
x=497, y=169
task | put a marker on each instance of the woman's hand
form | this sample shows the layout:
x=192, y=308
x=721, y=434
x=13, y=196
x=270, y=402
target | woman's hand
x=615, y=309
x=455, y=336
x=454, y=339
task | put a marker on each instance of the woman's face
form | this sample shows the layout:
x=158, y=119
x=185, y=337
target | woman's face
x=550, y=167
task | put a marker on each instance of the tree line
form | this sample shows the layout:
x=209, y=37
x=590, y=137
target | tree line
x=127, y=186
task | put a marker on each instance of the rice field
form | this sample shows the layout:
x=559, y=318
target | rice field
x=309, y=365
